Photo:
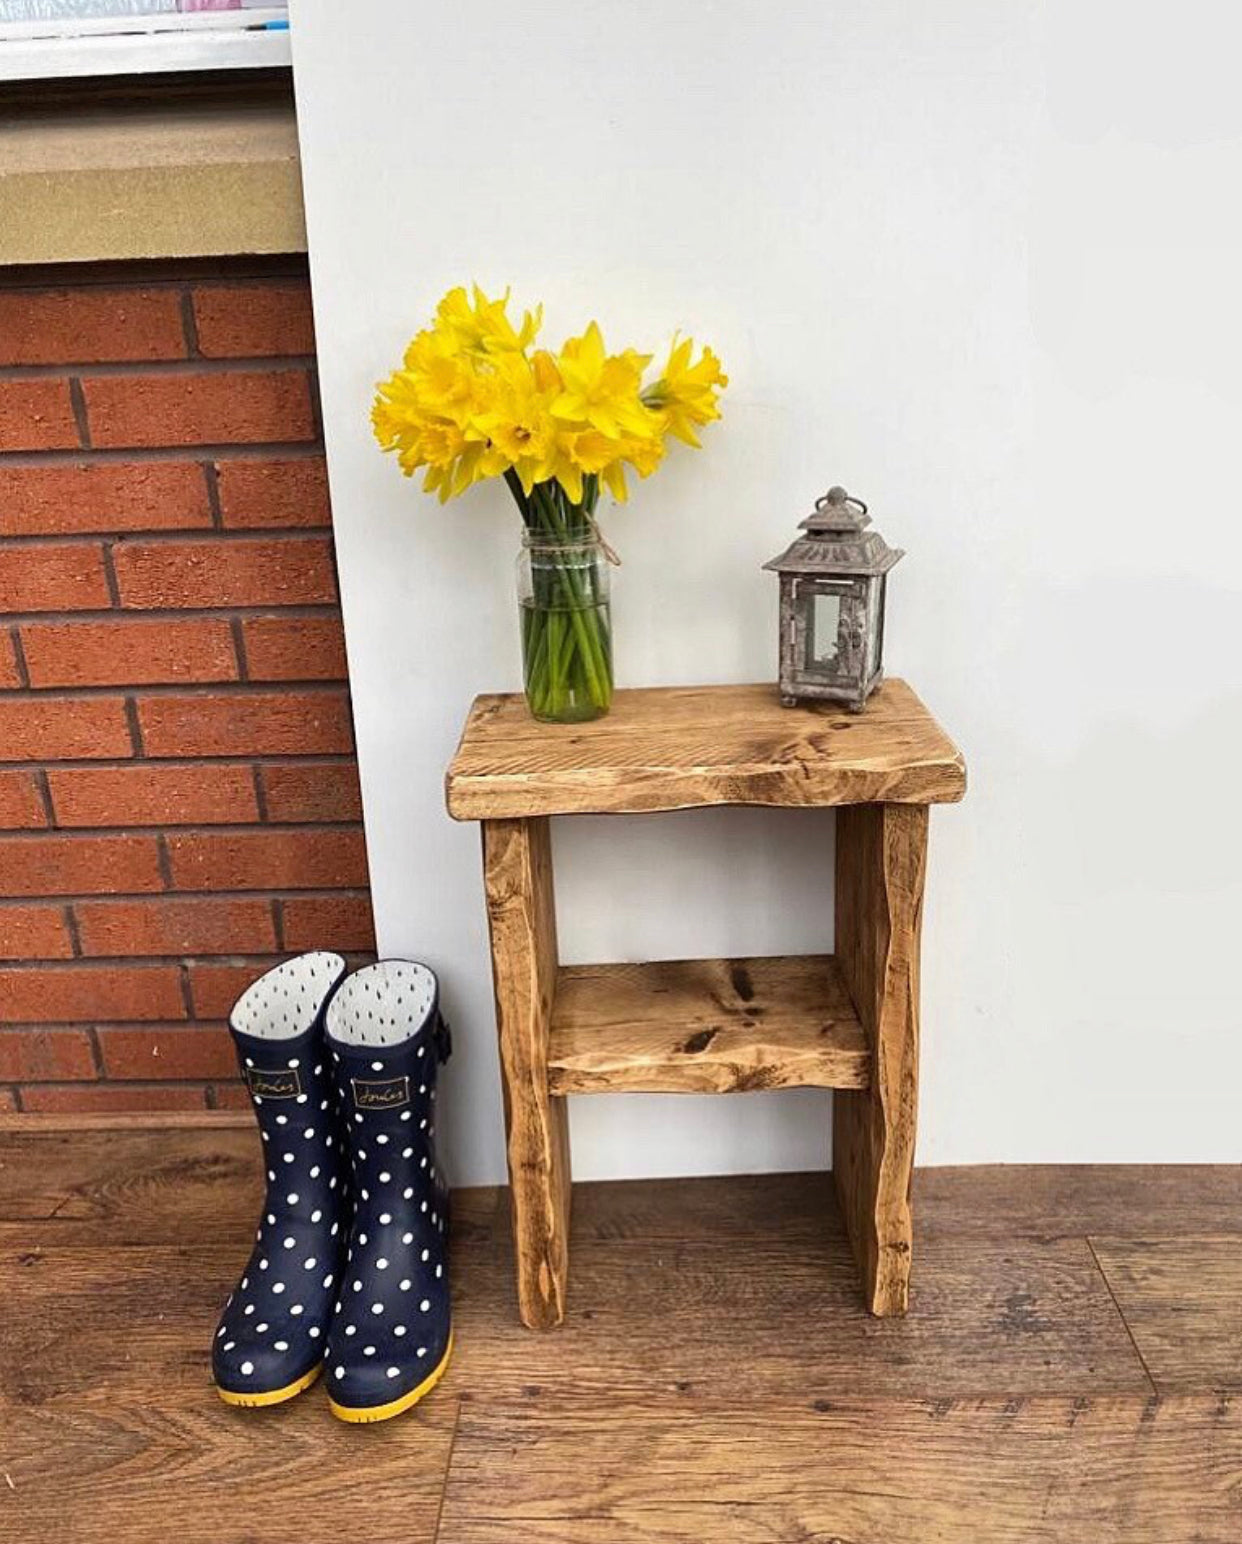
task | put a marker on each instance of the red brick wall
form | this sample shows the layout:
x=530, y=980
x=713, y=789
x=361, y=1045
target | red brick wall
x=178, y=794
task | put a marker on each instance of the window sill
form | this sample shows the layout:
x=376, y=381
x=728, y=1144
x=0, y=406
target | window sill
x=150, y=182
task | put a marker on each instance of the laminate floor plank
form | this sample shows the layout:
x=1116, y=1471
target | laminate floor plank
x=748, y=1286
x=197, y=1182
x=1135, y=1199
x=145, y=1186
x=1117, y=1469
x=166, y=1467
x=716, y=1375
x=1182, y=1300
x=772, y=1316
x=160, y=1184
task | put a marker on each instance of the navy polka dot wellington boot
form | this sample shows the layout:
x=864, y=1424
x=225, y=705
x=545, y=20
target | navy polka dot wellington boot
x=270, y=1342
x=391, y=1334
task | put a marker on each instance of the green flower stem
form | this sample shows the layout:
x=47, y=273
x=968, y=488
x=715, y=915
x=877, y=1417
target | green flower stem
x=584, y=622
x=565, y=632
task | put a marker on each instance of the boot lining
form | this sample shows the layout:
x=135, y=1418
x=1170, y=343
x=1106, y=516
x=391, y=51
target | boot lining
x=283, y=1002
x=382, y=1004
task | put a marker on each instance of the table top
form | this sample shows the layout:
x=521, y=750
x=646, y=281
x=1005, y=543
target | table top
x=682, y=747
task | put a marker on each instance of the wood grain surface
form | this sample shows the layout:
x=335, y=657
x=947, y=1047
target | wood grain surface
x=715, y=1377
x=1049, y=1199
x=881, y=865
x=205, y=1179
x=748, y=1315
x=663, y=748
x=705, y=1026
x=1182, y=1298
x=844, y=1470
x=155, y=1469
x=521, y=911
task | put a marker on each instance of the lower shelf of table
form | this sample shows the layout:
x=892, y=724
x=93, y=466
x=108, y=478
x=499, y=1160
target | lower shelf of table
x=705, y=1026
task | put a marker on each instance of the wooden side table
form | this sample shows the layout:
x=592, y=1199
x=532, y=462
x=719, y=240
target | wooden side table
x=847, y=1021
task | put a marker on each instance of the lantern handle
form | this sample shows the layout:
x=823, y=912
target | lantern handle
x=836, y=496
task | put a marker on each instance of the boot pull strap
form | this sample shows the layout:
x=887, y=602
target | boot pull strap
x=442, y=1038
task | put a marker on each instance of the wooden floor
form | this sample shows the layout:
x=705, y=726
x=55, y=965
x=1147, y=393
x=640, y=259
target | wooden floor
x=1066, y=1373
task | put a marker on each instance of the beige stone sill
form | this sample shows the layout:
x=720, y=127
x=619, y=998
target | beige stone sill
x=150, y=183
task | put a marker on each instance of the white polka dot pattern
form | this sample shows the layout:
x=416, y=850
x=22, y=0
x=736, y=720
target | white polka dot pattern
x=270, y=1326
x=384, y=1034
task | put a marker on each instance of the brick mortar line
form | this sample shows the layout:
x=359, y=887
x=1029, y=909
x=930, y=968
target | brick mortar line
x=181, y=536
x=159, y=897
x=181, y=759
x=195, y=1027
x=161, y=689
x=45, y=794
x=215, y=450
x=163, y=369
x=237, y=631
x=134, y=274
x=77, y=401
x=321, y=610
x=142, y=963
x=174, y=897
x=321, y=687
x=197, y=828
x=117, y=763
x=147, y=535
x=132, y=1083
x=75, y=933
x=109, y=569
x=19, y=656
x=134, y=724
x=163, y=860
x=146, y=962
x=260, y=793
x=187, y=991
x=211, y=484
x=189, y=323
x=92, y=1038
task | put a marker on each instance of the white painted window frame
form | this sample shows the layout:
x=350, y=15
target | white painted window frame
x=141, y=45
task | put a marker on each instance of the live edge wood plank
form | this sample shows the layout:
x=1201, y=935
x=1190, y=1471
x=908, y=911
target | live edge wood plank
x=663, y=748
x=521, y=910
x=705, y=1026
x=881, y=865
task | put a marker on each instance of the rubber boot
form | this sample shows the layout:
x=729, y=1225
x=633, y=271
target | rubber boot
x=391, y=1334
x=269, y=1345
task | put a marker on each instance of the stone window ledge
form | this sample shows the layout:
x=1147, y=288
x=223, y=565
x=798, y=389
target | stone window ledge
x=150, y=182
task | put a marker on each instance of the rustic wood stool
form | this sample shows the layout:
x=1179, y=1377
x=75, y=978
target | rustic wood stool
x=847, y=1021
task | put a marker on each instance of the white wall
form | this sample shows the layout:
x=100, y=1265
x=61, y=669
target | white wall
x=979, y=262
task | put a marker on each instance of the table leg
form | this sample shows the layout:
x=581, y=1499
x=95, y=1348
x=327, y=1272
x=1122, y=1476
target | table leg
x=517, y=872
x=881, y=863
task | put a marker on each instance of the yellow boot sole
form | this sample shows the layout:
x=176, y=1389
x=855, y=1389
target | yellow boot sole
x=396, y=1406
x=272, y=1396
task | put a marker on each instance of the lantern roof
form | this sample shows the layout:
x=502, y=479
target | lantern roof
x=837, y=541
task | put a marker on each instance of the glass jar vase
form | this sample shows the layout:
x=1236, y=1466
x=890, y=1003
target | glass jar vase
x=566, y=626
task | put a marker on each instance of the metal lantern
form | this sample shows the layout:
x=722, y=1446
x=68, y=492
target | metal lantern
x=832, y=605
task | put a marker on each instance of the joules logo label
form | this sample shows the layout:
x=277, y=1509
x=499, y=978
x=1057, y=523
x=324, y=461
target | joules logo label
x=389, y=1094
x=283, y=1083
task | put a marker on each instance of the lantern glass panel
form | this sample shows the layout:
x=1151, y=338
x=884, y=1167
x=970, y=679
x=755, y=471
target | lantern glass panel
x=878, y=646
x=823, y=635
x=875, y=625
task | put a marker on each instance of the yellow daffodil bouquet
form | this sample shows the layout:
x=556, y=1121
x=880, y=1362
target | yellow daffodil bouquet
x=475, y=398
